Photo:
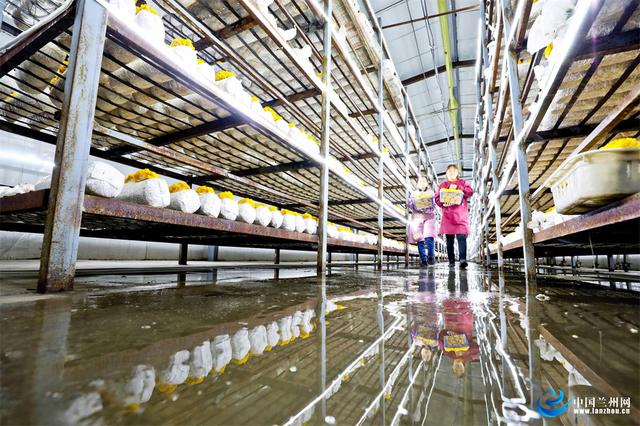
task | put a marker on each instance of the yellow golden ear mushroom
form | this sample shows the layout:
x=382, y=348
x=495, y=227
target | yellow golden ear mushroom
x=141, y=175
x=182, y=42
x=205, y=190
x=222, y=74
x=622, y=143
x=178, y=186
x=147, y=8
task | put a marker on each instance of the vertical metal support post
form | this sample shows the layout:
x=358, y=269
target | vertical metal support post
x=277, y=256
x=64, y=214
x=324, y=143
x=183, y=254
x=488, y=108
x=357, y=259
x=406, y=181
x=510, y=60
x=380, y=148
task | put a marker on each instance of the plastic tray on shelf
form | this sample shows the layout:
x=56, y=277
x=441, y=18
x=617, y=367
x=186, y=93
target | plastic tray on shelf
x=595, y=178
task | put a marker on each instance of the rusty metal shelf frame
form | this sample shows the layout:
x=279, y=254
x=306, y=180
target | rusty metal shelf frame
x=112, y=218
x=403, y=153
x=625, y=213
x=488, y=124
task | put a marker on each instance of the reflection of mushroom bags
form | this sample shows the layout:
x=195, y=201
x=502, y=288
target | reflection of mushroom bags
x=263, y=214
x=176, y=373
x=82, y=407
x=221, y=352
x=284, y=326
x=240, y=346
x=145, y=187
x=247, y=210
x=209, y=202
x=201, y=363
x=183, y=198
x=229, y=206
x=103, y=180
x=139, y=388
x=296, y=320
x=258, y=339
x=306, y=327
x=276, y=217
x=273, y=335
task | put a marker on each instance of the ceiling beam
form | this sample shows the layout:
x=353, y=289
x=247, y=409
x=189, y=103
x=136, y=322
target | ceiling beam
x=435, y=15
x=239, y=26
x=441, y=69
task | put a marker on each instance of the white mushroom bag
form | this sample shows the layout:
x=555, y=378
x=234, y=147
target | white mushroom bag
x=139, y=388
x=177, y=371
x=240, y=346
x=201, y=361
x=311, y=225
x=276, y=218
x=221, y=352
x=151, y=192
x=296, y=320
x=103, y=180
x=284, y=327
x=186, y=201
x=289, y=222
x=247, y=212
x=273, y=335
x=301, y=226
x=263, y=215
x=209, y=204
x=229, y=208
x=258, y=340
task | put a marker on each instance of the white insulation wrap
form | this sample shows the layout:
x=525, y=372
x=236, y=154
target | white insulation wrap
x=229, y=209
x=201, y=361
x=186, y=201
x=221, y=352
x=289, y=222
x=276, y=218
x=263, y=215
x=210, y=204
x=240, y=346
x=178, y=369
x=300, y=225
x=152, y=192
x=273, y=334
x=103, y=180
x=247, y=212
x=258, y=339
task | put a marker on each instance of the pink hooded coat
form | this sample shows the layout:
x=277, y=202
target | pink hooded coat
x=422, y=225
x=455, y=219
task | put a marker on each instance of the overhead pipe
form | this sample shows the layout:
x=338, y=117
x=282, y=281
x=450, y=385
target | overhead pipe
x=454, y=106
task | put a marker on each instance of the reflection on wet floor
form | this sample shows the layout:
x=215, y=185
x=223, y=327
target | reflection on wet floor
x=418, y=346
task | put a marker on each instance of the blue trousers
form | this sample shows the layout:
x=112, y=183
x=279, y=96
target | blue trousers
x=430, y=248
x=462, y=247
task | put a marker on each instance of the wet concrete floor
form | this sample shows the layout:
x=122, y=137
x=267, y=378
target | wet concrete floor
x=403, y=346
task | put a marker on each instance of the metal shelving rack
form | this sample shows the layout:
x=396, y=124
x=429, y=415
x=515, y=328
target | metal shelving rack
x=524, y=132
x=173, y=123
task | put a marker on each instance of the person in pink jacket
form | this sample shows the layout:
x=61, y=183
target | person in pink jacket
x=455, y=218
x=422, y=221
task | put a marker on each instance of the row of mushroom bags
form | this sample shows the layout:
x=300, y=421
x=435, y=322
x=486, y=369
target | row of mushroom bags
x=191, y=367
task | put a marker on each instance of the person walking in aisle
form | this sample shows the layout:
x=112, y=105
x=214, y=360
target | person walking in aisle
x=455, y=217
x=422, y=222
